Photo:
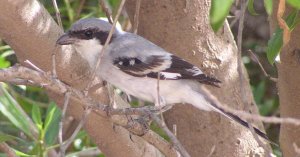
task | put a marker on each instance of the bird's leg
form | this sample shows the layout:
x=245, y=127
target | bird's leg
x=159, y=102
x=161, y=105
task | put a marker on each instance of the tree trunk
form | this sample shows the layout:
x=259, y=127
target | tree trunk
x=182, y=27
x=289, y=88
x=31, y=32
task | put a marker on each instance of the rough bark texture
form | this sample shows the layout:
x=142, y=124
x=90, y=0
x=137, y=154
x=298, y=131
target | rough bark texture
x=289, y=88
x=29, y=29
x=182, y=27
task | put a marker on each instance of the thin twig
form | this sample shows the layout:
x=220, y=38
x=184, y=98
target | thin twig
x=53, y=59
x=60, y=135
x=240, y=70
x=33, y=66
x=106, y=43
x=175, y=129
x=79, y=9
x=212, y=150
x=57, y=13
x=136, y=16
x=18, y=81
x=53, y=56
x=297, y=149
x=67, y=143
x=236, y=17
x=245, y=115
x=172, y=137
x=157, y=90
x=106, y=11
x=261, y=67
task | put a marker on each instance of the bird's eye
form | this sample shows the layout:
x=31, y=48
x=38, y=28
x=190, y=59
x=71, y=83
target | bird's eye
x=88, y=33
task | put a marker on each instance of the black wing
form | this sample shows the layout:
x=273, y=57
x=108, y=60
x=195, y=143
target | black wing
x=169, y=68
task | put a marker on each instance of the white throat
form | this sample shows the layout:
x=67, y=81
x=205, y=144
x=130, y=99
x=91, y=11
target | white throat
x=89, y=50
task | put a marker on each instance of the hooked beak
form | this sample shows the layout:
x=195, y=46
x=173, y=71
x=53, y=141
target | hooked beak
x=65, y=39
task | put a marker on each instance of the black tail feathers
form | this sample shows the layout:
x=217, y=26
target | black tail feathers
x=245, y=124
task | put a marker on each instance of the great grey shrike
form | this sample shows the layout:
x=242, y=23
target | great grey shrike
x=133, y=64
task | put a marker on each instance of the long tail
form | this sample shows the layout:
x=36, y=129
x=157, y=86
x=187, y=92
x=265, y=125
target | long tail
x=199, y=102
x=243, y=123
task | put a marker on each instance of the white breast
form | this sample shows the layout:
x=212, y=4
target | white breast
x=89, y=50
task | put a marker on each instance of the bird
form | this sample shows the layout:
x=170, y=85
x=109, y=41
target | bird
x=134, y=64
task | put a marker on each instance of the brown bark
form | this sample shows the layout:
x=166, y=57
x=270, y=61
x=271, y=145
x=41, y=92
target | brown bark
x=182, y=27
x=29, y=29
x=7, y=150
x=289, y=88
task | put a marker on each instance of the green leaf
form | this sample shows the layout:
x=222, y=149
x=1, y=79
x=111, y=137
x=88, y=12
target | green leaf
x=52, y=124
x=268, y=6
x=274, y=45
x=267, y=107
x=12, y=110
x=276, y=41
x=251, y=8
x=259, y=92
x=159, y=131
x=218, y=12
x=3, y=62
x=19, y=142
x=19, y=153
x=5, y=137
x=294, y=3
x=36, y=148
x=36, y=116
x=70, y=10
x=4, y=48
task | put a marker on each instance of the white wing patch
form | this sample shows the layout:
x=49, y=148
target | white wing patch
x=163, y=65
x=168, y=75
x=195, y=70
x=132, y=62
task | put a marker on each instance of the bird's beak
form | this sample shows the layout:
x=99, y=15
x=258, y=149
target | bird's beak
x=65, y=39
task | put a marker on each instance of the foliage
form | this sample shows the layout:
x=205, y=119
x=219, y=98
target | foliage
x=251, y=8
x=294, y=3
x=220, y=9
x=276, y=41
x=218, y=12
x=263, y=89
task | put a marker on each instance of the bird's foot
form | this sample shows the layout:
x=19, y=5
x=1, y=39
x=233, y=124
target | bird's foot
x=161, y=108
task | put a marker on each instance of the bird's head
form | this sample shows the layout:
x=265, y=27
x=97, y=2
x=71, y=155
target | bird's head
x=88, y=36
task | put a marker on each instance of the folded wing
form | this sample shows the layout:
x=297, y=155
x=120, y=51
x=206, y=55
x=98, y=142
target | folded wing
x=169, y=67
